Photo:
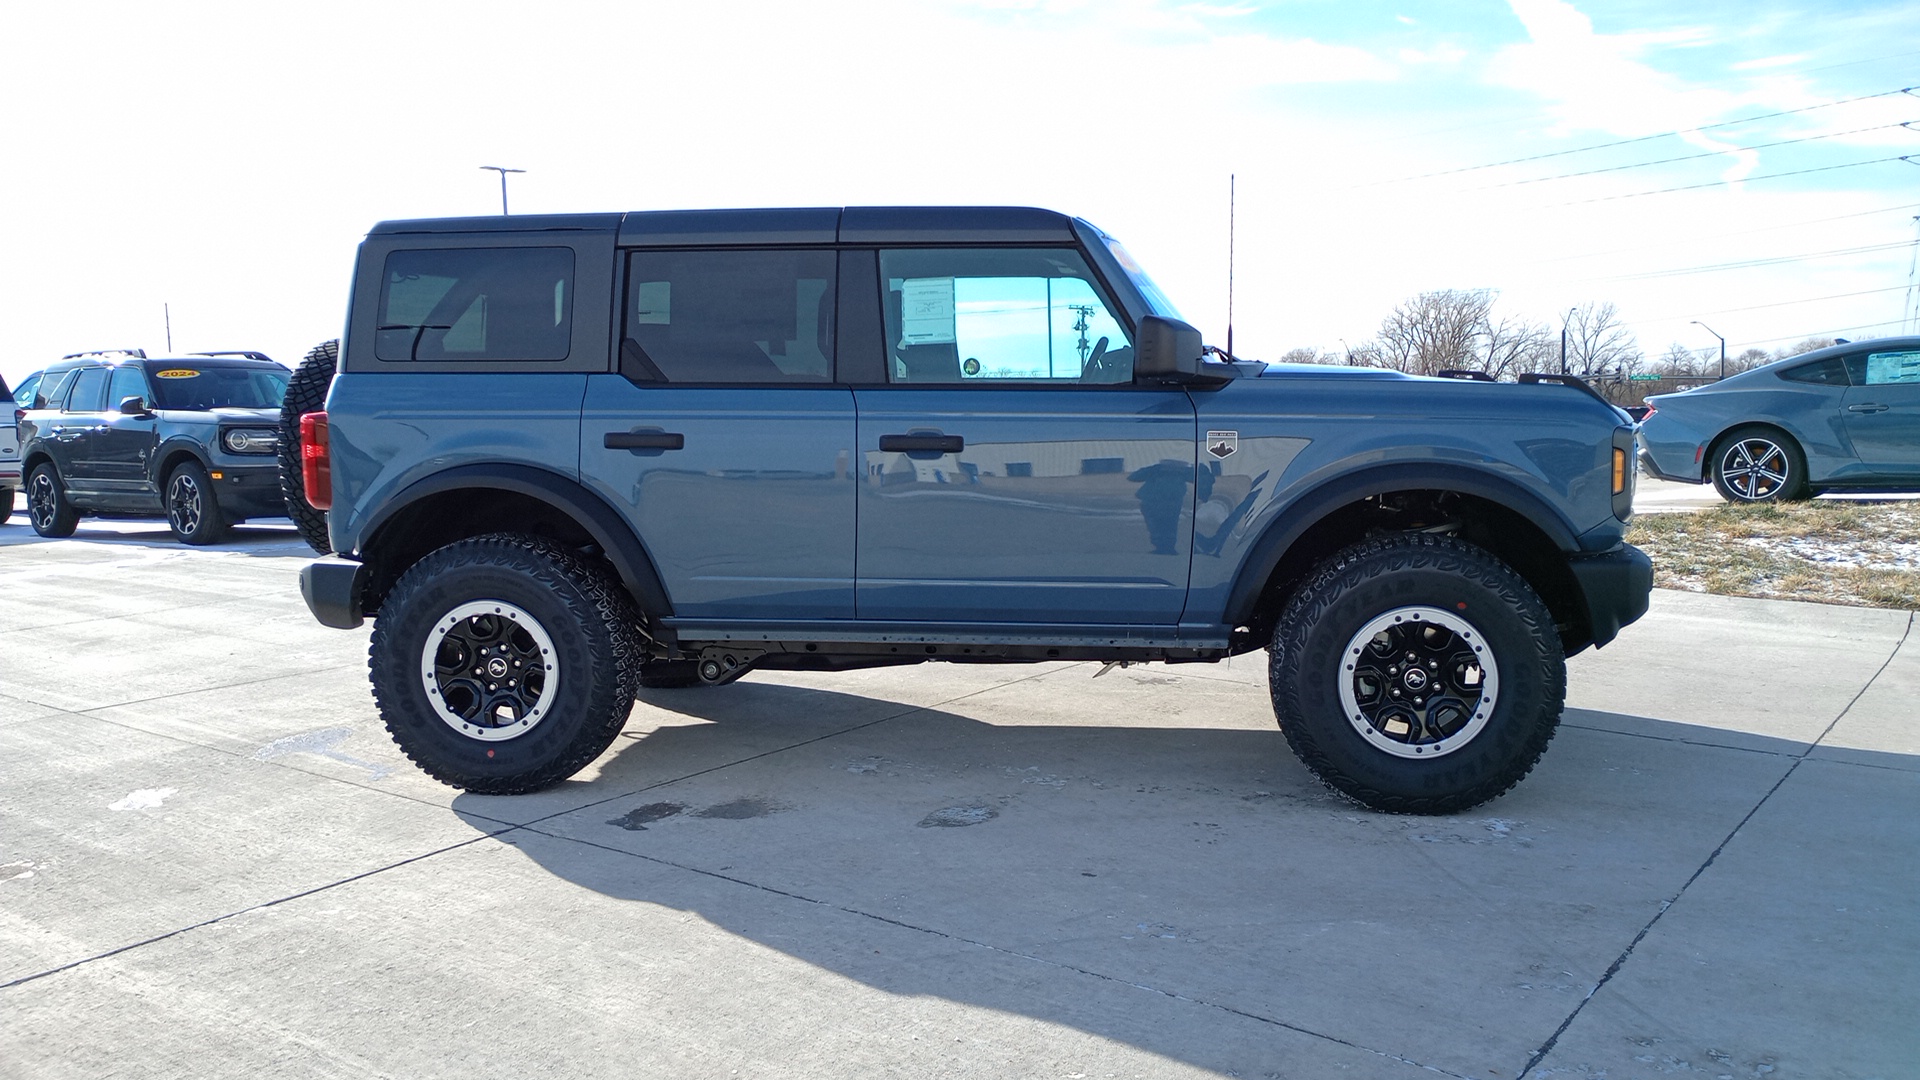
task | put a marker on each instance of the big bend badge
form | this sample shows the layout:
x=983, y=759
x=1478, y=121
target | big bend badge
x=1223, y=444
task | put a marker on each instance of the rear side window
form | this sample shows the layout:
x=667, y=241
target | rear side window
x=476, y=304
x=729, y=317
x=89, y=392
x=1829, y=372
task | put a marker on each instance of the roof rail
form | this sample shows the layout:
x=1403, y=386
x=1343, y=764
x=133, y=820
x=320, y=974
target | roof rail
x=1456, y=373
x=248, y=353
x=138, y=354
x=1531, y=377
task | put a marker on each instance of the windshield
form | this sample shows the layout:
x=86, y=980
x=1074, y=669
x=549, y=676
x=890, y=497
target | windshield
x=1151, y=292
x=210, y=386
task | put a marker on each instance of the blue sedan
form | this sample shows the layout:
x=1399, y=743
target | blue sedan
x=1840, y=418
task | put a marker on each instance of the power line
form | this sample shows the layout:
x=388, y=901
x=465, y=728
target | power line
x=1766, y=307
x=1738, y=232
x=1835, y=332
x=1744, y=264
x=1692, y=157
x=1742, y=180
x=1643, y=138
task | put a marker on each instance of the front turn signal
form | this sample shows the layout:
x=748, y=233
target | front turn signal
x=1619, y=470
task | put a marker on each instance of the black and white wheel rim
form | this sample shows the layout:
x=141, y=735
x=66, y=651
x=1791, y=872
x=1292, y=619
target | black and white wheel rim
x=185, y=502
x=1755, y=469
x=43, y=501
x=1418, y=682
x=490, y=670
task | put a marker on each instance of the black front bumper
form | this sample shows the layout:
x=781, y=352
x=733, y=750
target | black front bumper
x=332, y=587
x=248, y=491
x=1617, y=586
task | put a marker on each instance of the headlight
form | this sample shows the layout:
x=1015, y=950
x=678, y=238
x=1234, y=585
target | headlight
x=250, y=440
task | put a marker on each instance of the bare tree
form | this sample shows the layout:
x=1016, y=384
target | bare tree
x=1307, y=354
x=1748, y=360
x=1681, y=362
x=1512, y=346
x=1599, y=345
x=1435, y=331
x=1806, y=346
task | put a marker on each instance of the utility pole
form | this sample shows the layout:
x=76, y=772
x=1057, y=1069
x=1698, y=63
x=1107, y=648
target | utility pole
x=1723, y=345
x=1563, y=338
x=503, y=184
x=166, y=312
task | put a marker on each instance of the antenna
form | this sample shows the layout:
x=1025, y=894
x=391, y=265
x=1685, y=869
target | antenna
x=1231, y=178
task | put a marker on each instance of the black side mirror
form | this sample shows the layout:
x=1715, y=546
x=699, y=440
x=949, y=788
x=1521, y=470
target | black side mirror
x=134, y=406
x=1167, y=350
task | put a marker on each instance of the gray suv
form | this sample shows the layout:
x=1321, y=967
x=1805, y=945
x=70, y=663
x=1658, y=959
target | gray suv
x=122, y=434
x=568, y=457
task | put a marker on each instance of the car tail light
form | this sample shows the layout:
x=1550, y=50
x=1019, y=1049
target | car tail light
x=19, y=415
x=316, y=470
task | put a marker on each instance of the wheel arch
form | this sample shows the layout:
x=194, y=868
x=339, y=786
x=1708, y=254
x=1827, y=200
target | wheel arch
x=1490, y=511
x=435, y=511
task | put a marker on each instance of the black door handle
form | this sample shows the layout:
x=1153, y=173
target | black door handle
x=1868, y=408
x=923, y=443
x=645, y=440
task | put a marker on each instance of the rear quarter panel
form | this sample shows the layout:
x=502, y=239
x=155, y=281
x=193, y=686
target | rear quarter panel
x=1684, y=426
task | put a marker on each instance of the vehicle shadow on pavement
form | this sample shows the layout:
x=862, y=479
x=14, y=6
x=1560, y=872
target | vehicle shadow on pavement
x=1191, y=891
x=265, y=541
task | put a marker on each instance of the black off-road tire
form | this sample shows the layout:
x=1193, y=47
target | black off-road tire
x=6, y=504
x=1758, y=464
x=669, y=674
x=306, y=392
x=47, y=507
x=1434, y=583
x=583, y=697
x=193, y=507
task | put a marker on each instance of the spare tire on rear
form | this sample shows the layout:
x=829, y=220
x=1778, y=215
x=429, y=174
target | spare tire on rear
x=306, y=392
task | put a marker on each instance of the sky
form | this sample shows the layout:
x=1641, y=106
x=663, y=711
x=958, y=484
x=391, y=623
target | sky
x=1735, y=163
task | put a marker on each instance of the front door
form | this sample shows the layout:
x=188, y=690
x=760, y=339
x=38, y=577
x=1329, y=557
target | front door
x=1882, y=411
x=1010, y=471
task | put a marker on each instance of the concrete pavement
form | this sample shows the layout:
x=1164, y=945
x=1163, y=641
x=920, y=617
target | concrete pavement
x=216, y=864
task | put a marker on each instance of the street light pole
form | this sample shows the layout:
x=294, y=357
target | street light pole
x=1723, y=345
x=1563, y=338
x=503, y=184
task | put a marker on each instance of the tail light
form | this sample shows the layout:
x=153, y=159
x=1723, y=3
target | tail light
x=316, y=469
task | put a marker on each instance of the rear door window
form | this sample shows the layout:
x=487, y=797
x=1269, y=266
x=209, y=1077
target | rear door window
x=729, y=317
x=476, y=304
x=89, y=393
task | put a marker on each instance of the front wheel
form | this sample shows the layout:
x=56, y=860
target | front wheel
x=1757, y=464
x=47, y=507
x=192, y=509
x=6, y=504
x=505, y=663
x=1417, y=674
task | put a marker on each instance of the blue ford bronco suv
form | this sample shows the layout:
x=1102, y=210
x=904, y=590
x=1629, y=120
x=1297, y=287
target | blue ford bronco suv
x=567, y=457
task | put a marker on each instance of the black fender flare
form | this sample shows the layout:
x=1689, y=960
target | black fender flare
x=1303, y=513
x=604, y=524
x=173, y=448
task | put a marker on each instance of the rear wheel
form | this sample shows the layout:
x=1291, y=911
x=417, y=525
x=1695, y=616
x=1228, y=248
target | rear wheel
x=192, y=508
x=1417, y=674
x=1756, y=464
x=47, y=505
x=505, y=663
x=6, y=504
x=306, y=392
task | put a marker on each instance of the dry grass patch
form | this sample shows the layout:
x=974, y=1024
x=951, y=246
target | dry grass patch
x=1865, y=554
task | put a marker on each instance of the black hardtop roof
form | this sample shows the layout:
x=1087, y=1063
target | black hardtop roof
x=799, y=225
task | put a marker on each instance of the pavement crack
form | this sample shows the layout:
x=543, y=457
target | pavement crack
x=1667, y=905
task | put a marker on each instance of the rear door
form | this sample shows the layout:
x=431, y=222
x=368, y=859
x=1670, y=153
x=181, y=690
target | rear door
x=1010, y=471
x=723, y=438
x=73, y=435
x=1882, y=411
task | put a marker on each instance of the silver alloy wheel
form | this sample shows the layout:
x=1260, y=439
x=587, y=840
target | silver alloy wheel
x=489, y=670
x=43, y=502
x=1418, y=682
x=1755, y=469
x=186, y=503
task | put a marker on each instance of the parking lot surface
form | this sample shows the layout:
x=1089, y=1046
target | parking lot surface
x=217, y=865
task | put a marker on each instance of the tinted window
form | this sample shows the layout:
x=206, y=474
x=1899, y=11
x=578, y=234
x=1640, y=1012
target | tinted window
x=1829, y=372
x=23, y=397
x=959, y=316
x=127, y=382
x=729, y=316
x=476, y=304
x=89, y=392
x=53, y=388
x=213, y=386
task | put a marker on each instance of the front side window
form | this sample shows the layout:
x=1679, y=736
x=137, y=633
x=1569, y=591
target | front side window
x=1892, y=369
x=461, y=304
x=1032, y=315
x=128, y=381
x=729, y=317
